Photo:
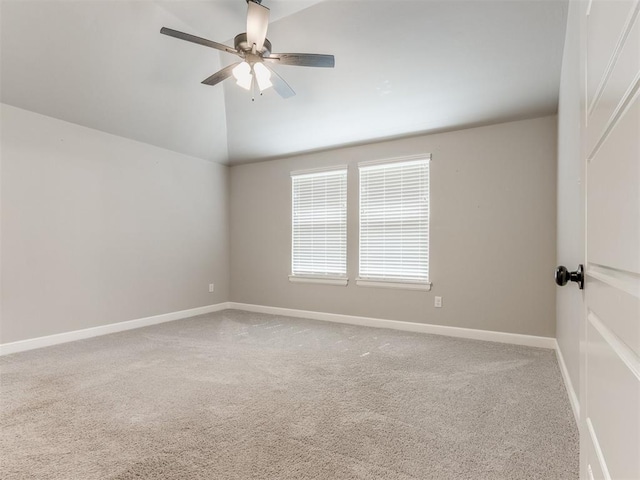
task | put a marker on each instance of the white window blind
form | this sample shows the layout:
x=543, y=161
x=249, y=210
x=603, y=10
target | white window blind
x=319, y=244
x=394, y=221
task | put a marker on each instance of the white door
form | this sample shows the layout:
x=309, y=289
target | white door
x=610, y=354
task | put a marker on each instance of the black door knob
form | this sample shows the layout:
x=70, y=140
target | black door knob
x=563, y=276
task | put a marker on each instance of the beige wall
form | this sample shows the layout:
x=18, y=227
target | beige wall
x=98, y=229
x=571, y=248
x=493, y=231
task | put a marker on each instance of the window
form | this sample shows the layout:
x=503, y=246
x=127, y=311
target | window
x=319, y=216
x=394, y=223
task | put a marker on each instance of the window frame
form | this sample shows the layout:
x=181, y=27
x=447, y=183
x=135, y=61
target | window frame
x=382, y=282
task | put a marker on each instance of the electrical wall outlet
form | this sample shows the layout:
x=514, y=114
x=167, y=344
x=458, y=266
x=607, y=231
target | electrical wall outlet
x=438, y=302
x=211, y=287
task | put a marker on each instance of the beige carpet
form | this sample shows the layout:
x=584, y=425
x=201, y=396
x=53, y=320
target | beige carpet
x=237, y=395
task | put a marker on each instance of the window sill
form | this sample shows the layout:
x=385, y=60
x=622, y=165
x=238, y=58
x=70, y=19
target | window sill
x=364, y=282
x=342, y=282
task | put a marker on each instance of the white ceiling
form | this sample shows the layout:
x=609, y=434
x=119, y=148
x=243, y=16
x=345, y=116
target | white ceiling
x=402, y=68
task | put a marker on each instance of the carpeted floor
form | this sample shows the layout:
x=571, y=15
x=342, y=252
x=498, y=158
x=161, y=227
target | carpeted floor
x=237, y=395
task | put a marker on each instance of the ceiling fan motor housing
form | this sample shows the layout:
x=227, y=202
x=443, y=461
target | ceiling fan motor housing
x=242, y=45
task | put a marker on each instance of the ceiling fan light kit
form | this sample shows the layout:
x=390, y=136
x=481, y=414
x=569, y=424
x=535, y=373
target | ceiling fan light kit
x=262, y=76
x=242, y=74
x=254, y=49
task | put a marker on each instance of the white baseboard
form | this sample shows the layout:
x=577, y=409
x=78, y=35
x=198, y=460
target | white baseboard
x=39, y=342
x=513, y=338
x=573, y=397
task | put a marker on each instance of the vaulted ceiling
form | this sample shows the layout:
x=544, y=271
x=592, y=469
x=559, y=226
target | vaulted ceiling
x=402, y=68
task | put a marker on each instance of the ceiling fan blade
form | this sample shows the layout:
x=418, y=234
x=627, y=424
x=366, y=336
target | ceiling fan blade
x=221, y=75
x=303, y=59
x=257, y=24
x=281, y=87
x=198, y=40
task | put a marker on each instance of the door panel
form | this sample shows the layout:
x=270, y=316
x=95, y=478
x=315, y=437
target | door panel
x=610, y=365
x=613, y=200
x=621, y=80
x=618, y=307
x=605, y=22
x=612, y=381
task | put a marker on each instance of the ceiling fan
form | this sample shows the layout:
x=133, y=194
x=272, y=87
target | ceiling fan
x=253, y=47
